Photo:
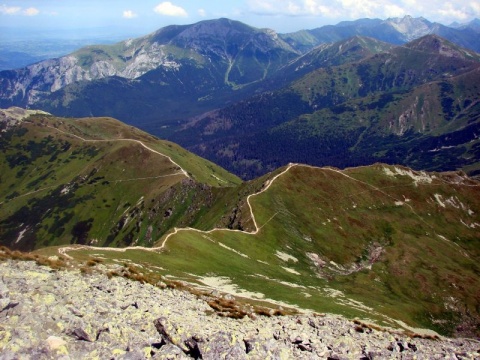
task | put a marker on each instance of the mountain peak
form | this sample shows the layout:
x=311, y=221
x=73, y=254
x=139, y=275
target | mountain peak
x=218, y=27
x=435, y=44
x=205, y=35
x=410, y=27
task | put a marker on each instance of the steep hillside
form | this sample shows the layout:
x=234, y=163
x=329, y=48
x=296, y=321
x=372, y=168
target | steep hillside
x=383, y=243
x=398, y=106
x=333, y=54
x=359, y=242
x=96, y=181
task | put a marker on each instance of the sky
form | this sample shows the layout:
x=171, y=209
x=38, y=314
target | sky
x=144, y=16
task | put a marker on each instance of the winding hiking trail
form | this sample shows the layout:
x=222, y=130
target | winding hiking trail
x=180, y=172
x=266, y=186
x=63, y=250
x=131, y=140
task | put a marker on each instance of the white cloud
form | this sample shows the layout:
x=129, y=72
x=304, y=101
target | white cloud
x=475, y=7
x=265, y=6
x=362, y=8
x=129, y=14
x=355, y=9
x=410, y=3
x=449, y=11
x=31, y=11
x=168, y=9
x=9, y=10
x=202, y=12
x=392, y=10
x=296, y=7
x=16, y=10
x=436, y=10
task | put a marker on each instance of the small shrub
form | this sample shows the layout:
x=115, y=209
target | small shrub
x=280, y=312
x=85, y=270
x=359, y=329
x=112, y=273
x=263, y=311
x=94, y=261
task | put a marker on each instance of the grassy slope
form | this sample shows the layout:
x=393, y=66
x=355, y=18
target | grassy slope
x=59, y=189
x=386, y=246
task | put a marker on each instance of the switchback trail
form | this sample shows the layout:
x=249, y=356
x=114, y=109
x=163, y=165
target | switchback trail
x=268, y=183
x=266, y=186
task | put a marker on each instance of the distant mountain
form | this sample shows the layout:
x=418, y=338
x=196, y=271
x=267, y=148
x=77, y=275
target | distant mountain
x=333, y=54
x=191, y=62
x=405, y=105
x=96, y=181
x=394, y=30
x=473, y=25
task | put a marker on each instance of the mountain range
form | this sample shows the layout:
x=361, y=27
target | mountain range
x=252, y=100
x=415, y=104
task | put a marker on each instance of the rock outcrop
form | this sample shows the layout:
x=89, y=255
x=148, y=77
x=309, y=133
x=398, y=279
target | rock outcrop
x=14, y=115
x=48, y=314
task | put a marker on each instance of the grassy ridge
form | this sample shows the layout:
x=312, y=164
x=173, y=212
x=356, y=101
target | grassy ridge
x=58, y=188
x=379, y=242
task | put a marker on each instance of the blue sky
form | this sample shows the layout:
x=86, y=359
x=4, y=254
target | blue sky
x=281, y=15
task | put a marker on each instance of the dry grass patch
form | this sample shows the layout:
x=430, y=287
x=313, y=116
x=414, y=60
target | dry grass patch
x=54, y=262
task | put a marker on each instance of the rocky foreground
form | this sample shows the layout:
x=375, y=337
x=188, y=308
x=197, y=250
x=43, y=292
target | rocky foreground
x=47, y=314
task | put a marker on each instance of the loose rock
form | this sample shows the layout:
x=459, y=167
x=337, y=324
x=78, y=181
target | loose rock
x=69, y=315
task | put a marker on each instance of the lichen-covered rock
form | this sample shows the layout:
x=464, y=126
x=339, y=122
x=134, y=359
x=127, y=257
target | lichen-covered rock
x=69, y=315
x=222, y=345
x=170, y=352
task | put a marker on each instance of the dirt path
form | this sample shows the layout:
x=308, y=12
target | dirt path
x=181, y=172
x=32, y=192
x=131, y=140
x=63, y=251
x=252, y=215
